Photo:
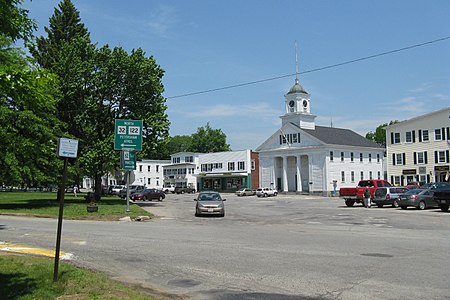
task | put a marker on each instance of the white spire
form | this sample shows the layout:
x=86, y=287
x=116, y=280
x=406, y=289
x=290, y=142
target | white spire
x=296, y=64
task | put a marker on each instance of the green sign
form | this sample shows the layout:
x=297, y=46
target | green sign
x=128, y=160
x=128, y=135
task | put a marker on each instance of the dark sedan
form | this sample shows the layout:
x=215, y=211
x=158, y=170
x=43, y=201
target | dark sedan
x=149, y=194
x=418, y=198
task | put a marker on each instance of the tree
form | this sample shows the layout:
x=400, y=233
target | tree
x=123, y=86
x=179, y=143
x=379, y=136
x=15, y=22
x=28, y=128
x=207, y=139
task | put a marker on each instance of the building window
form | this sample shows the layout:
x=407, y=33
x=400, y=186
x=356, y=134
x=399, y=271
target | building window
x=425, y=136
x=241, y=165
x=420, y=157
x=352, y=174
x=189, y=159
x=342, y=176
x=397, y=180
x=408, y=137
x=440, y=156
x=342, y=156
x=253, y=165
x=370, y=175
x=331, y=155
x=361, y=157
x=379, y=175
x=397, y=138
x=176, y=160
x=157, y=168
x=231, y=166
x=370, y=157
x=148, y=181
x=378, y=158
x=352, y=156
x=148, y=169
x=437, y=135
x=362, y=175
x=399, y=159
x=140, y=168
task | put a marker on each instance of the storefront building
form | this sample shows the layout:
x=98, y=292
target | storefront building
x=418, y=149
x=228, y=171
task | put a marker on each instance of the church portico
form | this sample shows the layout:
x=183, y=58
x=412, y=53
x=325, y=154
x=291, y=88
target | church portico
x=290, y=173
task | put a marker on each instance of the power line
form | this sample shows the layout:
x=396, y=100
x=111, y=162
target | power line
x=313, y=70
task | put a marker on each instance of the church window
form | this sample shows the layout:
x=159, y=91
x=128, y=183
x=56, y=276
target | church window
x=353, y=176
x=331, y=155
x=342, y=156
x=342, y=176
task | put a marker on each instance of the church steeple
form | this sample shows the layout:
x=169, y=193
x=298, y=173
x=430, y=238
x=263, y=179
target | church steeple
x=297, y=102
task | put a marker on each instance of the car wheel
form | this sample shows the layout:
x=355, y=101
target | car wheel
x=395, y=204
x=160, y=198
x=380, y=205
x=349, y=203
x=182, y=192
x=265, y=195
x=275, y=194
x=403, y=207
x=145, y=198
x=444, y=207
x=422, y=205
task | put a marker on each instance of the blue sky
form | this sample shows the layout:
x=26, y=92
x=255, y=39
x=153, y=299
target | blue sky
x=206, y=44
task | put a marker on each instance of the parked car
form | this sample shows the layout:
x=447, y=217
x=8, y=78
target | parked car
x=133, y=189
x=245, y=192
x=209, y=203
x=169, y=189
x=266, y=192
x=115, y=189
x=182, y=190
x=356, y=194
x=419, y=198
x=388, y=195
x=149, y=194
x=415, y=184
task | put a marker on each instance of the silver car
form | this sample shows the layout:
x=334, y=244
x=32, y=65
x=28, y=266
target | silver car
x=245, y=192
x=209, y=203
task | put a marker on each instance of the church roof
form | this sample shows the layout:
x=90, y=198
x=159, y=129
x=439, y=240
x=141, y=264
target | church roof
x=339, y=136
x=297, y=88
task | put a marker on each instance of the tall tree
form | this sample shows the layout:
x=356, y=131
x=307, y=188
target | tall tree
x=207, y=139
x=379, y=136
x=28, y=128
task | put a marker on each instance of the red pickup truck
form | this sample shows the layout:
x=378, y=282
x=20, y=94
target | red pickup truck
x=356, y=194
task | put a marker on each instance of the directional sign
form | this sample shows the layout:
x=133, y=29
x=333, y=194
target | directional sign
x=128, y=135
x=128, y=160
x=67, y=148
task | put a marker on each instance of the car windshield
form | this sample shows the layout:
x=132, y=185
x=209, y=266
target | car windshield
x=209, y=197
x=413, y=192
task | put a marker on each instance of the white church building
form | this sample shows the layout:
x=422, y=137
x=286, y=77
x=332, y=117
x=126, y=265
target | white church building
x=302, y=157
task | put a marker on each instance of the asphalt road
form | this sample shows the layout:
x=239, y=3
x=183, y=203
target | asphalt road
x=284, y=247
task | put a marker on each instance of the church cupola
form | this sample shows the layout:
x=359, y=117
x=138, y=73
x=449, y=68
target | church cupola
x=297, y=103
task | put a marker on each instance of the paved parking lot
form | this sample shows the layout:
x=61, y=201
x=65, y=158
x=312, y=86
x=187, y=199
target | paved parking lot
x=284, y=247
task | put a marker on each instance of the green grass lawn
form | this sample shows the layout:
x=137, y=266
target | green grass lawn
x=45, y=204
x=29, y=277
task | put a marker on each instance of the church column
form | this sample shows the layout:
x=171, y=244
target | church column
x=273, y=179
x=285, y=178
x=299, y=176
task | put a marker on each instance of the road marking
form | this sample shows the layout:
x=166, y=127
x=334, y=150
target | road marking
x=13, y=248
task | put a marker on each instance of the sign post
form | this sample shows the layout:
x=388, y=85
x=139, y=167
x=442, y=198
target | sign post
x=67, y=148
x=128, y=139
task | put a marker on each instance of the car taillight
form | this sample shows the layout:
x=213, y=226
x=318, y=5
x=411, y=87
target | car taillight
x=388, y=196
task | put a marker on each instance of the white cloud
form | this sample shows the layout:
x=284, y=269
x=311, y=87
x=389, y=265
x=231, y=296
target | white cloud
x=262, y=110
